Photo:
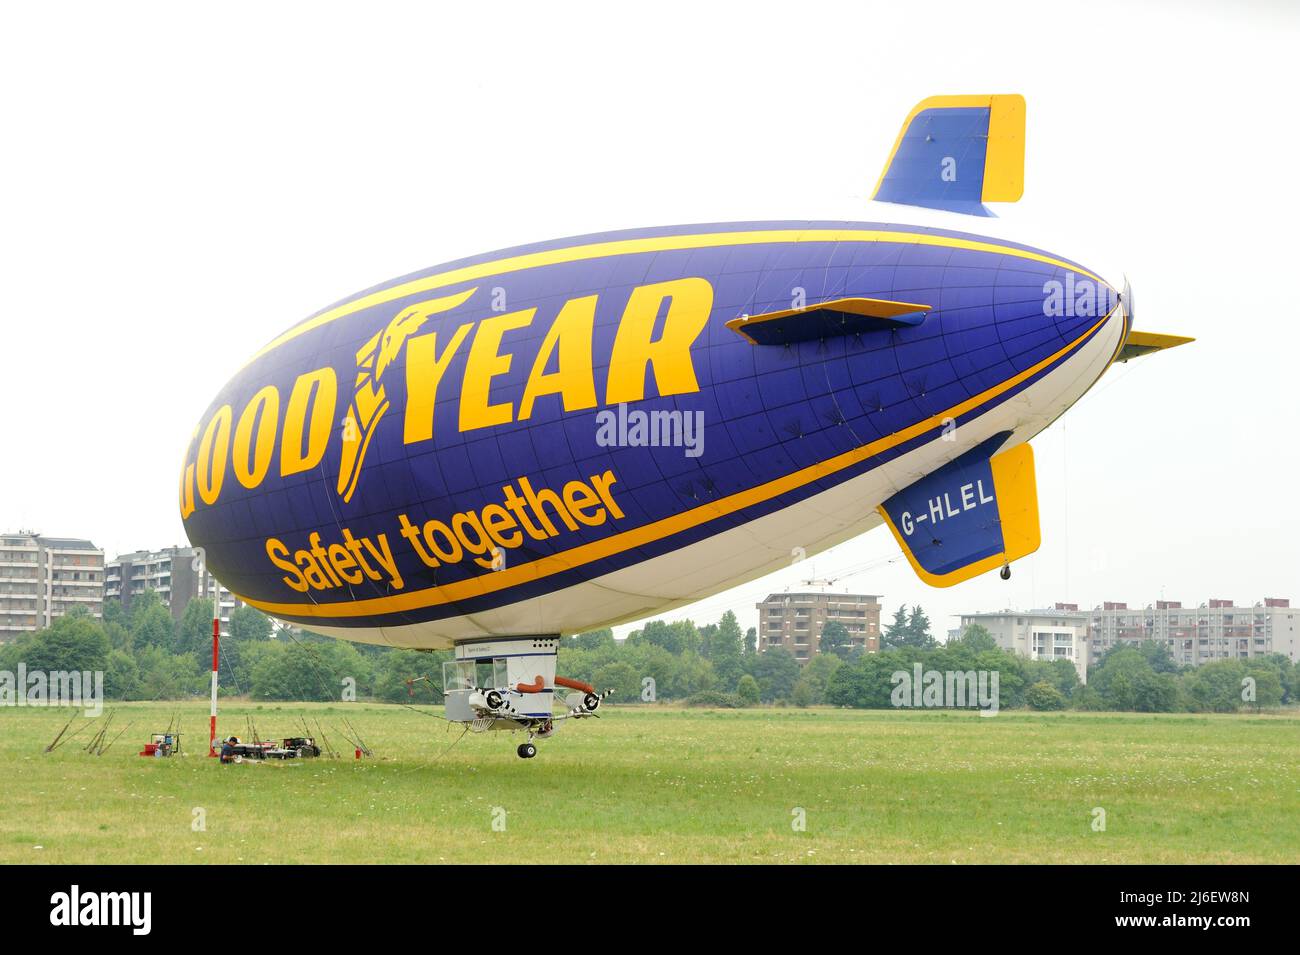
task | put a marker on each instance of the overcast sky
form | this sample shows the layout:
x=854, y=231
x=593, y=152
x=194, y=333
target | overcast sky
x=182, y=183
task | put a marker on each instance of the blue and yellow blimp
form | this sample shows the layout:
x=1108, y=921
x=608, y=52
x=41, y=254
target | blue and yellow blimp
x=566, y=435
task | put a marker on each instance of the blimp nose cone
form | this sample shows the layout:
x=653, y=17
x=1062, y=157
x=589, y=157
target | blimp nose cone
x=1126, y=301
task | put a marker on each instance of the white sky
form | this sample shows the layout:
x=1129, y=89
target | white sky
x=181, y=184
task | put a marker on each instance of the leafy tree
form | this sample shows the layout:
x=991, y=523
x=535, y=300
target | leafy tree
x=751, y=641
x=675, y=676
x=918, y=629
x=581, y=664
x=1158, y=656
x=165, y=676
x=1126, y=680
x=11, y=653
x=977, y=638
x=690, y=636
x=1217, y=687
x=75, y=641
x=424, y=670
x=114, y=612
x=121, y=676
x=1065, y=677
x=119, y=637
x=1155, y=692
x=290, y=672
x=805, y=694
x=907, y=630
x=1012, y=681
x=237, y=660
x=1269, y=688
x=748, y=691
x=707, y=633
x=1059, y=673
x=1290, y=675
x=151, y=622
x=865, y=682
x=650, y=660
x=309, y=671
x=622, y=678
x=725, y=653
x=835, y=639
x=194, y=632
x=1113, y=680
x=776, y=672
x=1044, y=696
x=661, y=634
x=249, y=624
x=694, y=674
x=679, y=637
x=593, y=639
x=1121, y=690
x=896, y=632
x=817, y=673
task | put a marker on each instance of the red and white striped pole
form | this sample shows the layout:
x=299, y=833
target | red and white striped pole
x=216, y=641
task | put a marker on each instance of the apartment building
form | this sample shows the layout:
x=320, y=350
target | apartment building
x=795, y=621
x=42, y=578
x=1218, y=629
x=1060, y=633
x=173, y=573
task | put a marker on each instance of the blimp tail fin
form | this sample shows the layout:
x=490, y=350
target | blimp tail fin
x=1138, y=344
x=977, y=513
x=957, y=153
x=840, y=316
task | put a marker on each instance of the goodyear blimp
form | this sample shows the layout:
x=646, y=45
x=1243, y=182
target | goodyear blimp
x=533, y=442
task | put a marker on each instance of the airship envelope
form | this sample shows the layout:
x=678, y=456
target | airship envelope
x=584, y=431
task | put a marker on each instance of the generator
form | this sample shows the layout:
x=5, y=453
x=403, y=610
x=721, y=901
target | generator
x=162, y=744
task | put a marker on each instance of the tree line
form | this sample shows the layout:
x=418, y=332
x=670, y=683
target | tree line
x=1139, y=678
x=145, y=655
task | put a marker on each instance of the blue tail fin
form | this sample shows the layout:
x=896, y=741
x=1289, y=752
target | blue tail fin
x=977, y=513
x=957, y=153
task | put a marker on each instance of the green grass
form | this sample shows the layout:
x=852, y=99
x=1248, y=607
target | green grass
x=668, y=785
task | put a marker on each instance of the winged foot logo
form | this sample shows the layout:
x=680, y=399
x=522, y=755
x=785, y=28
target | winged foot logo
x=370, y=400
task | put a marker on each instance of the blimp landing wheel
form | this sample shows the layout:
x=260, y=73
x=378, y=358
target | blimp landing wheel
x=527, y=750
x=1005, y=572
x=590, y=702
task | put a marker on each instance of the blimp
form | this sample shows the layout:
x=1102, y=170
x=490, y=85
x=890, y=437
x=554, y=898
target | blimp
x=504, y=449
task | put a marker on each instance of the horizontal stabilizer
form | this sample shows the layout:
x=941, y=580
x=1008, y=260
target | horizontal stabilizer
x=1144, y=343
x=841, y=316
x=957, y=153
x=977, y=513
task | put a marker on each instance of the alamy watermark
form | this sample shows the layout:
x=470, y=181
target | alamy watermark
x=133, y=910
x=84, y=688
x=1072, y=298
x=620, y=428
x=946, y=689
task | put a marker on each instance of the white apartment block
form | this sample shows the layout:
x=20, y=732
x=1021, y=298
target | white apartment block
x=1216, y=630
x=42, y=578
x=1057, y=634
x=173, y=573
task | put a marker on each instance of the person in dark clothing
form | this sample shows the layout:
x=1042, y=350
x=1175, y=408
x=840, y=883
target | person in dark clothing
x=228, y=749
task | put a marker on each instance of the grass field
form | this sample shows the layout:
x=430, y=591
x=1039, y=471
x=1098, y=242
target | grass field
x=668, y=785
